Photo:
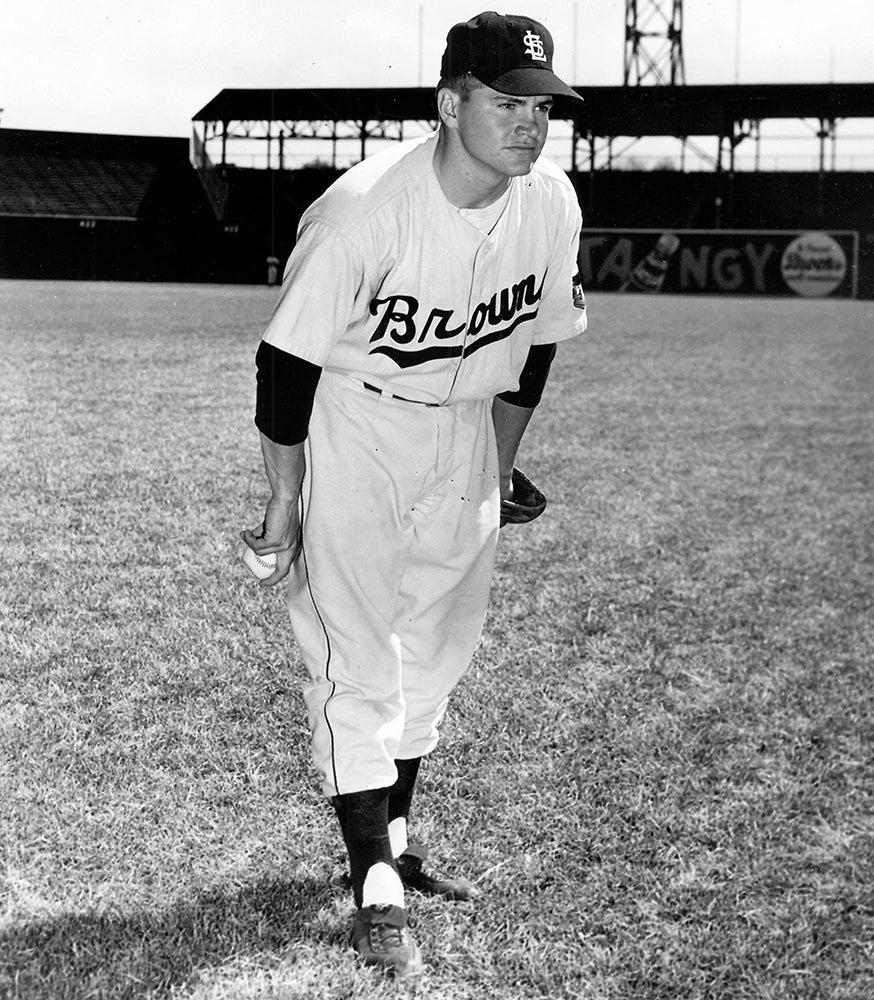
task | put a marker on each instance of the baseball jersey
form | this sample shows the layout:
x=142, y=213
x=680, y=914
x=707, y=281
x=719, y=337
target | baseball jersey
x=390, y=285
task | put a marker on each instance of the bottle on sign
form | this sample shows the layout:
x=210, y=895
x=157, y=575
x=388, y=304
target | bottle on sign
x=649, y=274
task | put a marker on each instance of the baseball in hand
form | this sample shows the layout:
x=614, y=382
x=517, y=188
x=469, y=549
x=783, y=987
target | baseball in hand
x=259, y=566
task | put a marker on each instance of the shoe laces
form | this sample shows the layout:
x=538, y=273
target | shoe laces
x=386, y=937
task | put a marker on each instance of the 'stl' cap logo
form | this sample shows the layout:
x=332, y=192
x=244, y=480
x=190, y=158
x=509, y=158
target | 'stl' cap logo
x=534, y=46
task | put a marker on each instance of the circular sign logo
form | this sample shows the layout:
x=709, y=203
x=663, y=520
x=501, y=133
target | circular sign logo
x=813, y=265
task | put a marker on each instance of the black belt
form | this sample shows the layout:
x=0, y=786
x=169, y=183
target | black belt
x=390, y=395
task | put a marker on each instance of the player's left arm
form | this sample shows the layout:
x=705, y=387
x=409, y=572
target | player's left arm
x=512, y=411
x=561, y=316
x=510, y=424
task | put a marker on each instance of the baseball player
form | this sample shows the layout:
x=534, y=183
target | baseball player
x=410, y=344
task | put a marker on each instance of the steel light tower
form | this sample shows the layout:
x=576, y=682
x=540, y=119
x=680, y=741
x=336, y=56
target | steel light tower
x=654, y=42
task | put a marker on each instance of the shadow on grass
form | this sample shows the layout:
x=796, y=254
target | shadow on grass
x=146, y=954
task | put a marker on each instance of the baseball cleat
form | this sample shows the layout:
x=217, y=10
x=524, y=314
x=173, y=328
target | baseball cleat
x=415, y=877
x=380, y=937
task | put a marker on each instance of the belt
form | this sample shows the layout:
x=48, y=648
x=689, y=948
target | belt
x=390, y=395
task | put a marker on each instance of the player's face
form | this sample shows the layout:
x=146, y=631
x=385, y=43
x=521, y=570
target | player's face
x=502, y=134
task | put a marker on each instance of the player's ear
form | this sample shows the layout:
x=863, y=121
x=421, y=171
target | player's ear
x=447, y=102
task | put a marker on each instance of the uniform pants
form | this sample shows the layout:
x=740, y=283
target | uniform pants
x=400, y=514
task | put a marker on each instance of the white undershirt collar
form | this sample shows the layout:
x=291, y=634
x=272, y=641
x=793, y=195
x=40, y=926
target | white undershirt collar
x=485, y=219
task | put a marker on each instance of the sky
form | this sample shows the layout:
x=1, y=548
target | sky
x=146, y=68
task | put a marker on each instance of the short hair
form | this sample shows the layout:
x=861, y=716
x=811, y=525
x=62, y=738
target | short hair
x=463, y=85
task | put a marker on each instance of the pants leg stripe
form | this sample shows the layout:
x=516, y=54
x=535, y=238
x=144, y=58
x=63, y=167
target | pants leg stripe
x=327, y=648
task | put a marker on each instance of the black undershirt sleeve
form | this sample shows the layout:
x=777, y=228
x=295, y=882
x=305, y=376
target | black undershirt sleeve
x=286, y=386
x=533, y=378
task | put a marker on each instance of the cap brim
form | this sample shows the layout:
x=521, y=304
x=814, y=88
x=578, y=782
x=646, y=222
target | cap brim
x=531, y=82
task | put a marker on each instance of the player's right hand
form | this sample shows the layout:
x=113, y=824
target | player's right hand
x=279, y=534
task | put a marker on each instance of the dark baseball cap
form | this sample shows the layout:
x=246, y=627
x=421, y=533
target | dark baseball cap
x=507, y=52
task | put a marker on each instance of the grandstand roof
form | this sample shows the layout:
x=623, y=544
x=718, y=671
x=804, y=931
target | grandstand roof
x=607, y=111
x=93, y=145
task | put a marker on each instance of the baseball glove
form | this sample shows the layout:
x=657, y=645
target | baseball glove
x=527, y=503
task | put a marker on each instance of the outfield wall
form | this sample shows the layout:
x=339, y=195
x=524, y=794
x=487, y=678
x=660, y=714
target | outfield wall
x=804, y=263
x=87, y=248
x=624, y=215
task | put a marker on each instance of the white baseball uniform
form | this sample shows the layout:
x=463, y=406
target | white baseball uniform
x=418, y=319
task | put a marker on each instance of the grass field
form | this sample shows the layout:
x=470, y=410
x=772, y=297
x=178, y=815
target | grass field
x=659, y=768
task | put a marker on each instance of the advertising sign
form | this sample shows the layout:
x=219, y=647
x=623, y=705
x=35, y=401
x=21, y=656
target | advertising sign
x=741, y=262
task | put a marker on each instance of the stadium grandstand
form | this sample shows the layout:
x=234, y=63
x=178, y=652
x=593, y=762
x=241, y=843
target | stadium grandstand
x=76, y=205
x=136, y=208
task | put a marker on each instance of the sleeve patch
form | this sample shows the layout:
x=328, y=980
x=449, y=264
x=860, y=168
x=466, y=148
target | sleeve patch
x=578, y=293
